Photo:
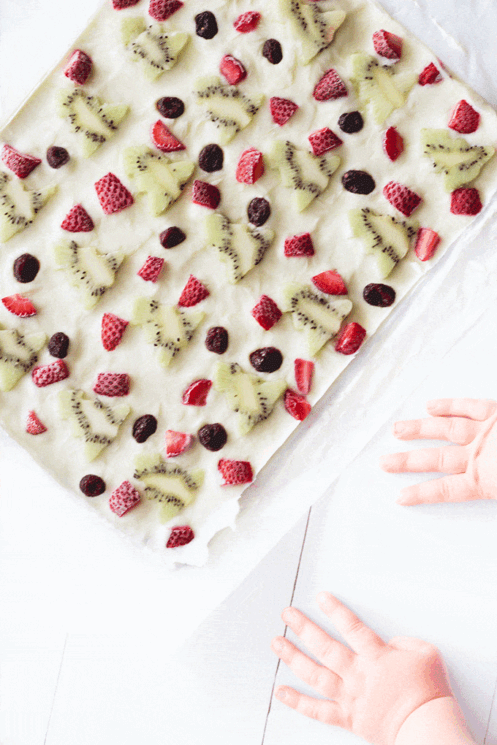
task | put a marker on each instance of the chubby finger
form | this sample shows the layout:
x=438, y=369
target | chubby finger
x=319, y=677
x=328, y=712
x=460, y=430
x=450, y=459
x=327, y=650
x=361, y=638
x=459, y=488
x=473, y=408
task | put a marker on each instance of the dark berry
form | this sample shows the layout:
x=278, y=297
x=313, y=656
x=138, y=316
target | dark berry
x=351, y=123
x=144, y=427
x=58, y=346
x=358, y=182
x=171, y=237
x=212, y=436
x=57, y=157
x=259, y=211
x=217, y=340
x=272, y=51
x=382, y=296
x=26, y=268
x=266, y=359
x=170, y=107
x=92, y=486
x=211, y=158
x=206, y=25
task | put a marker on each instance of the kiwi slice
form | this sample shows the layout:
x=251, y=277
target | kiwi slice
x=91, y=271
x=18, y=354
x=168, y=328
x=380, y=86
x=313, y=30
x=319, y=316
x=131, y=28
x=18, y=205
x=239, y=246
x=386, y=238
x=170, y=485
x=304, y=173
x=156, y=175
x=92, y=120
x=226, y=106
x=455, y=157
x=154, y=46
x=91, y=420
x=252, y=397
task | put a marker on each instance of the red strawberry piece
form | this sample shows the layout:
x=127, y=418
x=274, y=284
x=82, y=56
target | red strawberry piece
x=151, y=269
x=77, y=220
x=207, y=195
x=350, y=338
x=266, y=312
x=112, y=332
x=33, y=424
x=112, y=194
x=54, y=372
x=464, y=118
x=426, y=243
x=196, y=393
x=20, y=163
x=324, y=140
x=250, y=166
x=235, y=471
x=180, y=535
x=232, y=69
x=393, y=143
x=164, y=140
x=112, y=384
x=329, y=87
x=247, y=21
x=304, y=370
x=194, y=292
x=296, y=405
x=177, y=443
x=465, y=201
x=124, y=498
x=281, y=110
x=79, y=67
x=430, y=75
x=330, y=282
x=387, y=45
x=121, y=4
x=161, y=10
x=402, y=198
x=299, y=245
x=19, y=305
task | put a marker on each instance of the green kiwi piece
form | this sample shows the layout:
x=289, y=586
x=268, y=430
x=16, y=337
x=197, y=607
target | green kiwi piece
x=18, y=354
x=380, y=86
x=239, y=246
x=312, y=29
x=386, y=238
x=173, y=487
x=318, y=315
x=155, y=47
x=92, y=120
x=18, y=205
x=226, y=106
x=168, y=328
x=302, y=172
x=459, y=161
x=154, y=174
x=90, y=270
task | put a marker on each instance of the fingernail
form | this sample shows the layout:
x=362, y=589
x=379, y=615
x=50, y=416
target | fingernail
x=281, y=694
x=277, y=645
x=289, y=615
x=324, y=599
x=399, y=428
x=403, y=500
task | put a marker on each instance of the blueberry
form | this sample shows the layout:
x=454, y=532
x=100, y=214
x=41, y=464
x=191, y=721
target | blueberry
x=258, y=211
x=144, y=427
x=351, y=122
x=211, y=158
x=26, y=268
x=272, y=51
x=92, y=486
x=358, y=182
x=217, y=340
x=212, y=436
x=58, y=346
x=170, y=107
x=206, y=25
x=266, y=359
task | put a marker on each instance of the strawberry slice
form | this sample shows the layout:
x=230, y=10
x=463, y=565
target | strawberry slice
x=180, y=535
x=77, y=220
x=387, y=45
x=296, y=405
x=232, y=69
x=402, y=198
x=124, y=498
x=465, y=201
x=330, y=87
x=164, y=140
x=196, y=393
x=161, y=10
x=426, y=243
x=430, y=75
x=350, y=338
x=54, y=372
x=112, y=330
x=19, y=305
x=330, y=282
x=324, y=140
x=177, y=443
x=112, y=194
x=79, y=67
x=464, y=118
x=247, y=21
x=194, y=292
x=266, y=312
x=282, y=109
x=151, y=269
x=121, y=4
x=304, y=371
x=207, y=195
x=393, y=143
x=250, y=166
x=33, y=425
x=235, y=472
x=112, y=384
x=20, y=163
x=299, y=245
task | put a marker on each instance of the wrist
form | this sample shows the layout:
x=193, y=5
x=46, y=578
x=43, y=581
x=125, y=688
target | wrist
x=438, y=722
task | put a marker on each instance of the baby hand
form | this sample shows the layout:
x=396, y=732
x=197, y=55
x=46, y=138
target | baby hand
x=472, y=462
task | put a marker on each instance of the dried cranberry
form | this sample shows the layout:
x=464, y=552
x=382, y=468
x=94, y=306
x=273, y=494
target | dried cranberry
x=211, y=158
x=172, y=237
x=144, y=427
x=92, y=486
x=26, y=268
x=58, y=346
x=351, y=122
x=57, y=157
x=358, y=182
x=266, y=359
x=206, y=25
x=382, y=296
x=212, y=436
x=272, y=51
x=217, y=340
x=259, y=211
